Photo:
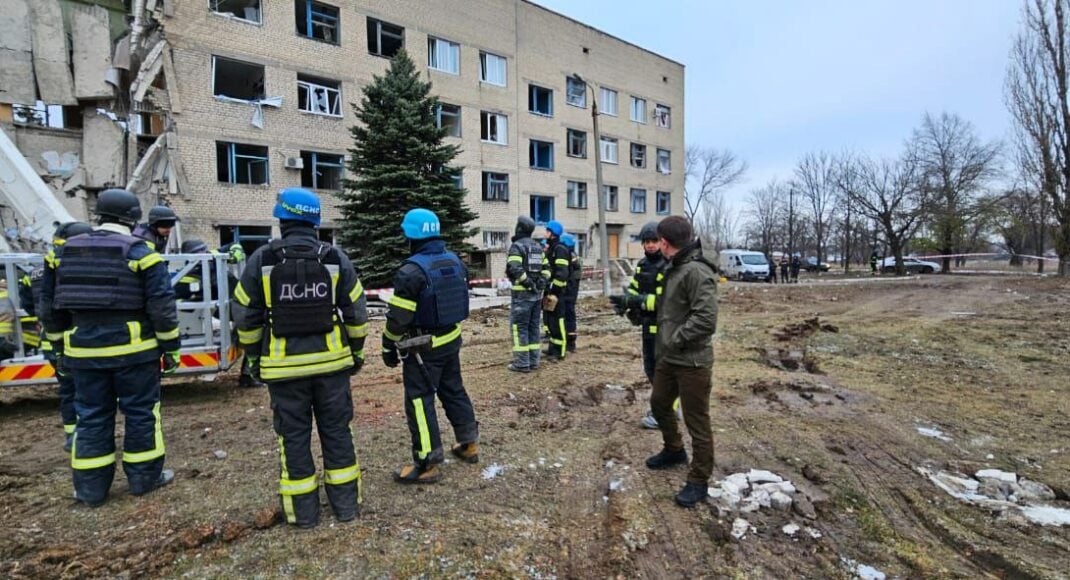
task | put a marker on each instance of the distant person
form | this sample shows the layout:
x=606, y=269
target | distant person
x=873, y=262
x=796, y=264
x=785, y=268
x=771, y=278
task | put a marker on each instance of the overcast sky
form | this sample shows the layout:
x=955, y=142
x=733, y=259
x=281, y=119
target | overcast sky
x=773, y=79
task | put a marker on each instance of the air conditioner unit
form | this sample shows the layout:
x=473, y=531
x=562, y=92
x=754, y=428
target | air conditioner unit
x=294, y=163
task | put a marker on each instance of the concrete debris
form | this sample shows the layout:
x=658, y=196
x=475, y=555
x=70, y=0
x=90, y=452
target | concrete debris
x=16, y=58
x=755, y=490
x=791, y=529
x=492, y=471
x=1047, y=515
x=616, y=485
x=814, y=533
x=997, y=474
x=219, y=454
x=51, y=54
x=1030, y=490
x=933, y=432
x=863, y=571
x=995, y=490
x=91, y=41
x=780, y=501
x=762, y=476
x=740, y=527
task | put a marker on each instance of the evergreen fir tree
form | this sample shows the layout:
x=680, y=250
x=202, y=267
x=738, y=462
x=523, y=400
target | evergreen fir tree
x=398, y=162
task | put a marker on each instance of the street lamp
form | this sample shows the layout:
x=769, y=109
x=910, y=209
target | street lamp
x=603, y=236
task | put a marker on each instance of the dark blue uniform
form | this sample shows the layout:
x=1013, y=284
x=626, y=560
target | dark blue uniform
x=572, y=294
x=648, y=283
x=560, y=261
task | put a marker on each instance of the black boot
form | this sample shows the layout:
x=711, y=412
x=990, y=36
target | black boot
x=691, y=494
x=570, y=343
x=667, y=458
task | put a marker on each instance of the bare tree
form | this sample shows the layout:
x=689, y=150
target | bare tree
x=954, y=168
x=765, y=207
x=815, y=178
x=1037, y=93
x=848, y=183
x=717, y=222
x=889, y=194
x=707, y=173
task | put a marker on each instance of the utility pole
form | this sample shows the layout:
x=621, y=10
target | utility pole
x=603, y=236
x=791, y=223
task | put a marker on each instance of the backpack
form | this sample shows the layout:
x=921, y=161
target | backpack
x=302, y=292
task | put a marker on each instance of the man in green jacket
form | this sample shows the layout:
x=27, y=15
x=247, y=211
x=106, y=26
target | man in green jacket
x=687, y=319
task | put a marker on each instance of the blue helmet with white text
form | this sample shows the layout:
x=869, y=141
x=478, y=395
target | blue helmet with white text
x=298, y=204
x=421, y=224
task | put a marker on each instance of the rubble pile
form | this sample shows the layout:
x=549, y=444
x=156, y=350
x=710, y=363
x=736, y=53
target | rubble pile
x=756, y=490
x=1003, y=491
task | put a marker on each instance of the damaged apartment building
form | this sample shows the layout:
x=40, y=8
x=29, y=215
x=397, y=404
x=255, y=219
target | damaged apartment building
x=213, y=106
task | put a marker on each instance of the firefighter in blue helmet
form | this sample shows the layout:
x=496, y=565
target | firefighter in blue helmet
x=528, y=272
x=114, y=304
x=303, y=328
x=423, y=329
x=162, y=220
x=553, y=304
x=572, y=291
x=46, y=277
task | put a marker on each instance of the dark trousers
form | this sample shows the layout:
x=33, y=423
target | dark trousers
x=649, y=342
x=570, y=323
x=555, y=324
x=136, y=392
x=692, y=386
x=294, y=403
x=66, y=403
x=440, y=375
x=525, y=317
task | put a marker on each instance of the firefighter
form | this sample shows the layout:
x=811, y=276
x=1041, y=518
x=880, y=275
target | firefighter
x=162, y=220
x=553, y=304
x=423, y=328
x=31, y=327
x=8, y=346
x=527, y=271
x=303, y=328
x=47, y=276
x=114, y=303
x=572, y=291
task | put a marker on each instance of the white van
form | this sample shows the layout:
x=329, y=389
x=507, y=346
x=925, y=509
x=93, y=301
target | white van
x=744, y=265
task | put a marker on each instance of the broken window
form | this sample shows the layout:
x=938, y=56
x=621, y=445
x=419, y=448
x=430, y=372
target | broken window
x=321, y=170
x=384, y=39
x=248, y=10
x=609, y=101
x=577, y=144
x=237, y=80
x=663, y=202
x=319, y=96
x=611, y=193
x=639, y=110
x=492, y=69
x=576, y=194
x=663, y=116
x=42, y=114
x=540, y=100
x=664, y=161
x=443, y=55
x=495, y=186
x=541, y=155
x=240, y=163
x=495, y=239
x=638, y=200
x=575, y=92
x=494, y=128
x=609, y=150
x=249, y=237
x=448, y=117
x=638, y=155
x=317, y=20
x=542, y=208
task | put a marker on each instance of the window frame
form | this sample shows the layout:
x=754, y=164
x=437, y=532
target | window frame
x=379, y=36
x=607, y=190
x=458, y=115
x=631, y=154
x=433, y=52
x=569, y=83
x=534, y=201
x=602, y=92
x=642, y=117
x=668, y=161
x=662, y=112
x=313, y=158
x=575, y=195
x=489, y=178
x=309, y=21
x=633, y=197
x=502, y=234
x=232, y=164
x=603, y=152
x=483, y=69
x=534, y=145
x=215, y=61
x=570, y=134
x=213, y=6
x=531, y=90
x=311, y=87
x=658, y=197
x=501, y=124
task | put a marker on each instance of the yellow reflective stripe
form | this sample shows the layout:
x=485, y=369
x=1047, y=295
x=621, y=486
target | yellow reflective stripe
x=633, y=292
x=342, y=475
x=520, y=288
x=516, y=340
x=561, y=262
x=421, y=425
x=523, y=277
x=390, y=335
x=146, y=262
x=298, y=486
x=357, y=330
x=402, y=303
x=250, y=336
x=359, y=354
x=355, y=293
x=659, y=290
x=334, y=340
x=661, y=276
x=169, y=335
x=46, y=346
x=135, y=331
x=241, y=296
x=50, y=257
x=652, y=329
x=157, y=451
x=634, y=283
x=650, y=303
x=189, y=280
x=69, y=429
x=676, y=404
x=106, y=351
x=276, y=348
x=28, y=319
x=437, y=341
x=54, y=336
x=91, y=462
x=281, y=373
x=561, y=329
x=560, y=283
x=7, y=327
x=265, y=281
x=515, y=258
x=287, y=501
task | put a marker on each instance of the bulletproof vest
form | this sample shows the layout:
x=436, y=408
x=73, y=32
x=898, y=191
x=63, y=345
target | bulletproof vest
x=648, y=274
x=444, y=300
x=302, y=291
x=142, y=231
x=95, y=274
x=533, y=253
x=576, y=263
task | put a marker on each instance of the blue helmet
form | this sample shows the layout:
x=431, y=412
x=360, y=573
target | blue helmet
x=569, y=240
x=298, y=204
x=555, y=228
x=421, y=224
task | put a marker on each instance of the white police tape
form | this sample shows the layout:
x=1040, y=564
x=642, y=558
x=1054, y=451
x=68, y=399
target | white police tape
x=938, y=256
x=492, y=281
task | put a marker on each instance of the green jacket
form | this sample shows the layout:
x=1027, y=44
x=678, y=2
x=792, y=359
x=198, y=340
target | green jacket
x=687, y=310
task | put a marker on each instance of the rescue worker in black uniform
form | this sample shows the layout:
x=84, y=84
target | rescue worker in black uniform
x=162, y=220
x=572, y=291
x=423, y=328
x=31, y=326
x=46, y=276
x=553, y=304
x=114, y=304
x=527, y=269
x=303, y=327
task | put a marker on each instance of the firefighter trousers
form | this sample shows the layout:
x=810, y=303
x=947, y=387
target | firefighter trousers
x=294, y=403
x=66, y=403
x=649, y=342
x=570, y=322
x=441, y=376
x=136, y=391
x=525, y=316
x=555, y=325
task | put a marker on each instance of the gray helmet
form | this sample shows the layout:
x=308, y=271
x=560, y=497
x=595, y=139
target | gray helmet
x=649, y=231
x=70, y=229
x=194, y=246
x=118, y=205
x=162, y=216
x=525, y=226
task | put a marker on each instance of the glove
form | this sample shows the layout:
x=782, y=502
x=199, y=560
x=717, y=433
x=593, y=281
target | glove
x=391, y=358
x=60, y=364
x=254, y=365
x=549, y=303
x=529, y=285
x=358, y=363
x=170, y=362
x=634, y=317
x=618, y=304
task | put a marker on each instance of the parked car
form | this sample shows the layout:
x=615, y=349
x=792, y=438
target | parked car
x=912, y=265
x=744, y=265
x=811, y=265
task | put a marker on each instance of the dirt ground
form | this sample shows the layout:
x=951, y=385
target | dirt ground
x=832, y=405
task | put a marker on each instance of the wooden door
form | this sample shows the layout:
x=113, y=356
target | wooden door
x=614, y=245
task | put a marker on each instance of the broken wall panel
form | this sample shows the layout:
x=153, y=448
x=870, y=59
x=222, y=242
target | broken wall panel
x=92, y=51
x=51, y=55
x=16, y=60
x=102, y=150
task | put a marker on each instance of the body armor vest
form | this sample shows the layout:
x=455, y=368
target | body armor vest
x=302, y=290
x=650, y=276
x=533, y=254
x=444, y=300
x=95, y=274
